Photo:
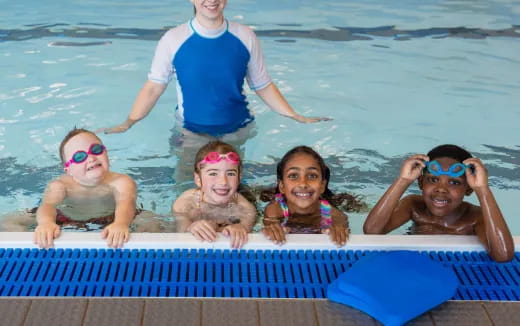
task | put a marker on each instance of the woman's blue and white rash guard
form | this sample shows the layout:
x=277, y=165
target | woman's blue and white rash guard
x=210, y=67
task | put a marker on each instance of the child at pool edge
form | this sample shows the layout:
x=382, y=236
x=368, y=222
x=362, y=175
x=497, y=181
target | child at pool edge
x=300, y=205
x=88, y=192
x=445, y=175
x=215, y=205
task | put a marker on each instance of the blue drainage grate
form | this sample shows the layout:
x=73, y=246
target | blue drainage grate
x=222, y=273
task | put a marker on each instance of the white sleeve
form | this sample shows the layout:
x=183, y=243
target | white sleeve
x=257, y=75
x=162, y=70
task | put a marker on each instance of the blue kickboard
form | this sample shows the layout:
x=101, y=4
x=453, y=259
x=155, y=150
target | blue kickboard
x=394, y=287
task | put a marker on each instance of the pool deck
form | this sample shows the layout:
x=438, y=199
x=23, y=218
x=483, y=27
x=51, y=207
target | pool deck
x=239, y=311
x=216, y=312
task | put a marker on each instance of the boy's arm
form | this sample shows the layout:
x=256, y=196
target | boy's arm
x=491, y=228
x=47, y=228
x=125, y=194
x=389, y=213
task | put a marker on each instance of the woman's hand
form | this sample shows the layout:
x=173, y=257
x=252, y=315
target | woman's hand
x=303, y=119
x=117, y=129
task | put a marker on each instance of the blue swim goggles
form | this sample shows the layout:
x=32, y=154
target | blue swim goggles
x=454, y=171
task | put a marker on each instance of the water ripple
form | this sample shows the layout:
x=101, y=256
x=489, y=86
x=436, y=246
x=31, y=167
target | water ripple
x=334, y=33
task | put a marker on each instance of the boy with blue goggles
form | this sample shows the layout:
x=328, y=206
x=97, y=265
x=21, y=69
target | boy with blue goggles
x=441, y=209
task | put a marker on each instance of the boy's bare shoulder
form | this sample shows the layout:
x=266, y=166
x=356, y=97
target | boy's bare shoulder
x=63, y=182
x=116, y=178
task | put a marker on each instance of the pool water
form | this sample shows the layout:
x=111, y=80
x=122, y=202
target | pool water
x=397, y=78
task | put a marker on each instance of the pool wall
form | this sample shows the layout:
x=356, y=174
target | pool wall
x=257, y=241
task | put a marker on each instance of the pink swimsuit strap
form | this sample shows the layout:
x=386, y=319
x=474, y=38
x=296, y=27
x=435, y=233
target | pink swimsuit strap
x=325, y=211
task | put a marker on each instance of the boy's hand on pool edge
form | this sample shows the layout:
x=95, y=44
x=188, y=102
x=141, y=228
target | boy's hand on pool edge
x=45, y=233
x=116, y=235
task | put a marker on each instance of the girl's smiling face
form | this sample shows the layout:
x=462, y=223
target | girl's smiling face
x=302, y=183
x=443, y=194
x=91, y=171
x=218, y=181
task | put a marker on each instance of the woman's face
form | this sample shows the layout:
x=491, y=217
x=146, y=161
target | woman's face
x=209, y=13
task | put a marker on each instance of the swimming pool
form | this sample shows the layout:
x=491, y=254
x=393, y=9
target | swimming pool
x=447, y=71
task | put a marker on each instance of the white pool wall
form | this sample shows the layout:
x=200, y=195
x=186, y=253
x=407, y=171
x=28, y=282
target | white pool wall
x=92, y=240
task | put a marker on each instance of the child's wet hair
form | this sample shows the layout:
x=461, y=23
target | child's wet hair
x=325, y=171
x=74, y=132
x=214, y=146
x=452, y=151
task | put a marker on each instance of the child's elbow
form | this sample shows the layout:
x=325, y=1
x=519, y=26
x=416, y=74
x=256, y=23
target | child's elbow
x=371, y=229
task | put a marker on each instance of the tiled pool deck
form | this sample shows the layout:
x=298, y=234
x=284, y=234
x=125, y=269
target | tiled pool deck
x=216, y=312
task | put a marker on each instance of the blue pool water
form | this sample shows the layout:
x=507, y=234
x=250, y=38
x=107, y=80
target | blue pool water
x=398, y=78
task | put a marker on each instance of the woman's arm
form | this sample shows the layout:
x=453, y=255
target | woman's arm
x=144, y=103
x=272, y=96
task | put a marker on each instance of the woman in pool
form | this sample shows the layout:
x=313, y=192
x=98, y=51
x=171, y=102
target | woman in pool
x=300, y=205
x=445, y=175
x=215, y=205
x=210, y=57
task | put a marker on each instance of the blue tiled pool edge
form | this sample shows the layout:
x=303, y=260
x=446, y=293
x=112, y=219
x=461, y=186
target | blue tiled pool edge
x=267, y=273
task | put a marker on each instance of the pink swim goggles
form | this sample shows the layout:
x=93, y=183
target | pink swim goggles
x=81, y=156
x=215, y=157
